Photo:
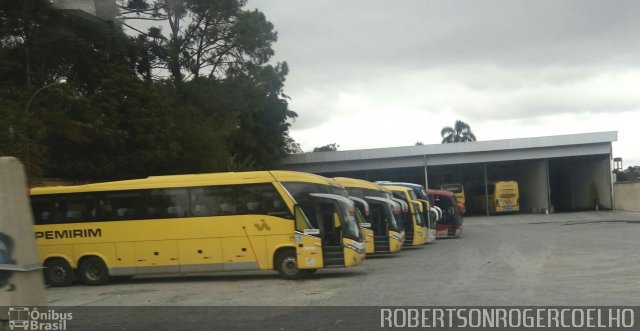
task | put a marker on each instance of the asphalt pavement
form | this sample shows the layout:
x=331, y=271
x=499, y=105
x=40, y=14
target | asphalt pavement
x=585, y=258
x=582, y=258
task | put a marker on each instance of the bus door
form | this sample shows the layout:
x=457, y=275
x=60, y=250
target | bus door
x=376, y=218
x=308, y=242
x=363, y=213
x=324, y=217
x=379, y=226
x=342, y=240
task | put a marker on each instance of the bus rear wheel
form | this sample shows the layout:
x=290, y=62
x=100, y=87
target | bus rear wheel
x=58, y=273
x=93, y=271
x=287, y=265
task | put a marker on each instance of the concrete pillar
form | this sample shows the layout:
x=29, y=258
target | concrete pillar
x=21, y=282
x=486, y=189
x=548, y=182
x=426, y=174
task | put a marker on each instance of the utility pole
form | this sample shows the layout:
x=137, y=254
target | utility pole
x=27, y=116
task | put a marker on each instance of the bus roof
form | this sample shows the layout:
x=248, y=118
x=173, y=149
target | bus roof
x=223, y=178
x=398, y=188
x=359, y=183
x=417, y=188
x=412, y=185
x=441, y=192
x=296, y=176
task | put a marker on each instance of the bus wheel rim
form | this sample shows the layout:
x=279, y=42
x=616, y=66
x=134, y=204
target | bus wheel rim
x=93, y=272
x=290, y=265
x=58, y=274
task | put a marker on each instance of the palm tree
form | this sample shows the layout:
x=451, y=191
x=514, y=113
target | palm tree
x=461, y=132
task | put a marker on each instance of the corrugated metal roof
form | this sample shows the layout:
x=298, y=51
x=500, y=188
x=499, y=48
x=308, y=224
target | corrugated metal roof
x=597, y=143
x=482, y=147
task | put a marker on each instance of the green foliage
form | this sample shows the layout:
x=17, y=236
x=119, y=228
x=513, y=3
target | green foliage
x=205, y=39
x=327, y=148
x=118, y=117
x=631, y=174
x=460, y=132
x=291, y=146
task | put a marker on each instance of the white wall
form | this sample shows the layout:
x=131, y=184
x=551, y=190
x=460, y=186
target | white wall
x=532, y=181
x=627, y=195
x=590, y=179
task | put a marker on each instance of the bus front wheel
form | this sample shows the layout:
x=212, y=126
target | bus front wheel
x=93, y=271
x=287, y=265
x=58, y=273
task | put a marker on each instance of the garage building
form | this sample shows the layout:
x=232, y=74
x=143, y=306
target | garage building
x=555, y=173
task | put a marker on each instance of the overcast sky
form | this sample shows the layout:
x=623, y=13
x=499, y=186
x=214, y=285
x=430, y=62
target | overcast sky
x=369, y=73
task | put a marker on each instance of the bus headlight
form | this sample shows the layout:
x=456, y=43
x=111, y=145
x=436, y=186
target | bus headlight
x=360, y=248
x=395, y=236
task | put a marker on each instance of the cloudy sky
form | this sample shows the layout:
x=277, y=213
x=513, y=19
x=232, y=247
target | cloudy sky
x=372, y=73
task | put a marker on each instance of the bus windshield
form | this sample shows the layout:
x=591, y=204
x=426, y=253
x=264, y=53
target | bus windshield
x=394, y=225
x=350, y=227
x=419, y=219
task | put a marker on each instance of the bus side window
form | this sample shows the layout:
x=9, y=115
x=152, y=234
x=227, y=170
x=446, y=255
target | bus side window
x=199, y=204
x=262, y=199
x=212, y=201
x=226, y=198
x=121, y=205
x=250, y=200
x=41, y=208
x=74, y=208
x=168, y=203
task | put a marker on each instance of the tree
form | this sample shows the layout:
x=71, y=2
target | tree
x=217, y=106
x=205, y=39
x=261, y=128
x=327, y=148
x=460, y=132
x=220, y=45
x=419, y=143
x=292, y=147
x=38, y=44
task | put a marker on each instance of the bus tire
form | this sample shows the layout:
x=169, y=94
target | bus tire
x=287, y=265
x=93, y=271
x=58, y=273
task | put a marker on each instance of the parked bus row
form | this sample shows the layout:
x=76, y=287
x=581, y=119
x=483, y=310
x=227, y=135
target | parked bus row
x=291, y=222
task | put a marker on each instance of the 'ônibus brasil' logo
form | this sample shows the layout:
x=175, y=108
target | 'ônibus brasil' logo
x=25, y=318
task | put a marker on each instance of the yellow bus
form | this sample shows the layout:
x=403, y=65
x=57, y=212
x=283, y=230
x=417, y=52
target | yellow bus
x=416, y=232
x=504, y=196
x=387, y=232
x=189, y=224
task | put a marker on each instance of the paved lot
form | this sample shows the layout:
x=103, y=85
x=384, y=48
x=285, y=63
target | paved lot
x=587, y=258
